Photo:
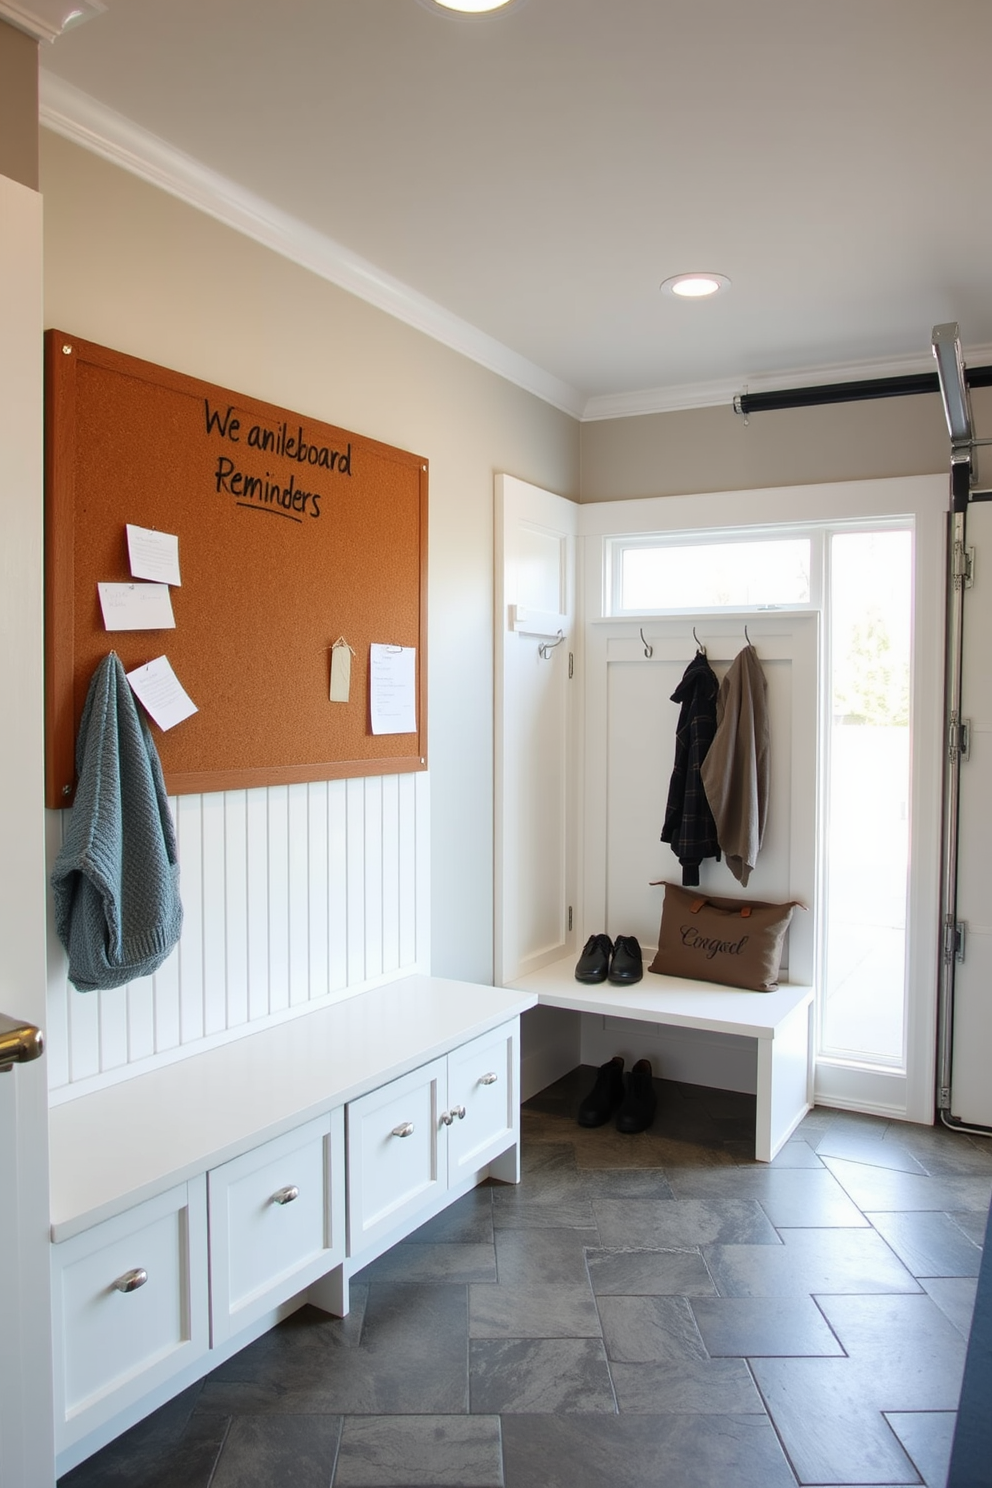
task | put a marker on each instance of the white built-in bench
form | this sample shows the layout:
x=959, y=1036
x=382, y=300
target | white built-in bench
x=778, y=1024
x=196, y=1205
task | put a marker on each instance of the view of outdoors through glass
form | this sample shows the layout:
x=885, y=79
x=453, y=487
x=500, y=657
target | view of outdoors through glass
x=867, y=816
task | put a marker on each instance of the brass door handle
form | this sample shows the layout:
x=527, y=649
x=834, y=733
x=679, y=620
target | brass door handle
x=19, y=1042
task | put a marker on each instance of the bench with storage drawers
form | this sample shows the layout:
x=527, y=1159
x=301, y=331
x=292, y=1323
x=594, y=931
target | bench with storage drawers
x=195, y=1206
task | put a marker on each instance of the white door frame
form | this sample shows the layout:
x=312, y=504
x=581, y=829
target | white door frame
x=27, y=1455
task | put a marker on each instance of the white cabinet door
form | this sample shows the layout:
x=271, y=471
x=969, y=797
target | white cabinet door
x=276, y=1222
x=396, y=1162
x=130, y=1307
x=482, y=1083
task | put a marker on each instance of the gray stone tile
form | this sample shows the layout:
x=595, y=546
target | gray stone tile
x=539, y=1376
x=429, y=1262
x=642, y=1451
x=876, y=1189
x=955, y=1296
x=972, y=1222
x=468, y=1221
x=790, y=1197
x=910, y=1355
x=649, y=1330
x=809, y=1261
x=877, y=1151
x=270, y=1451
x=714, y=1387
x=297, y=1347
x=662, y=1146
x=542, y=1161
x=682, y=1223
x=172, y=1448
x=420, y=1452
x=524, y=1257
x=649, y=1273
x=927, y=1437
x=751, y=1327
x=626, y=1183
x=399, y=1315
x=832, y=1431
x=796, y=1153
x=541, y=1310
x=555, y=1203
x=928, y=1244
x=942, y=1151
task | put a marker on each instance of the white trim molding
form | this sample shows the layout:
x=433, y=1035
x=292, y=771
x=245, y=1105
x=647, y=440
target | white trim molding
x=45, y=20
x=83, y=120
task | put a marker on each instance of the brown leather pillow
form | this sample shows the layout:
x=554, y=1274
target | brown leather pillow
x=736, y=942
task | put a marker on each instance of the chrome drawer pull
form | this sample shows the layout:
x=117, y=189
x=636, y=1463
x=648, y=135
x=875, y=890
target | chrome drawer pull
x=446, y=1118
x=489, y=1079
x=131, y=1280
x=286, y=1195
x=458, y=1111
x=405, y=1129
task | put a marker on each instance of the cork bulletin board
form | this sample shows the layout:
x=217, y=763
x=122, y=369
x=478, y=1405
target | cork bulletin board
x=291, y=534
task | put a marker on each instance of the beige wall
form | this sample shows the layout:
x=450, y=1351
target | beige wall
x=132, y=268
x=711, y=449
x=18, y=106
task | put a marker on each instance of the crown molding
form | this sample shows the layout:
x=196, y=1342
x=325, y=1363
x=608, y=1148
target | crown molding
x=45, y=20
x=82, y=119
x=718, y=393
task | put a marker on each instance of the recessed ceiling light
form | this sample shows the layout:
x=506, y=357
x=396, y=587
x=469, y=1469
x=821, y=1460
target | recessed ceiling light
x=472, y=7
x=698, y=286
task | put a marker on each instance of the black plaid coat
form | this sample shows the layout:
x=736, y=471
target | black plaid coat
x=689, y=826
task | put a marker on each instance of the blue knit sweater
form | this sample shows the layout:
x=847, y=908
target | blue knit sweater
x=116, y=878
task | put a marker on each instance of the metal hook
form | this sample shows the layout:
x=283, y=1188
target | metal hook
x=545, y=649
x=648, y=650
x=746, y=636
x=700, y=648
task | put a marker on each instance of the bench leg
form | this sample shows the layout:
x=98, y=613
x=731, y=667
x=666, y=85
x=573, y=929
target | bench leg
x=783, y=1083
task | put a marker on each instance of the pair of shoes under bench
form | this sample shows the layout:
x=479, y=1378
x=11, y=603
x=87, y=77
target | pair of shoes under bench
x=603, y=959
x=633, y=1100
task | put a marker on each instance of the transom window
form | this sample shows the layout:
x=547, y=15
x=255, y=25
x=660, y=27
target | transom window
x=692, y=573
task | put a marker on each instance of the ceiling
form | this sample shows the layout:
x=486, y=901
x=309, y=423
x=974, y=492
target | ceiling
x=520, y=184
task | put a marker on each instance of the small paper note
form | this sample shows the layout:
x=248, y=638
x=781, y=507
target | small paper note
x=393, y=689
x=341, y=654
x=157, y=687
x=136, y=607
x=153, y=555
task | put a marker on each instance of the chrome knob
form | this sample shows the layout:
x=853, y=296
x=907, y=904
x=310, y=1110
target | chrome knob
x=446, y=1118
x=405, y=1129
x=489, y=1079
x=286, y=1195
x=131, y=1280
x=458, y=1111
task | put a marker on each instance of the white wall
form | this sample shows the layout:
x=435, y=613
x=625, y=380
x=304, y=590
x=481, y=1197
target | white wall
x=129, y=267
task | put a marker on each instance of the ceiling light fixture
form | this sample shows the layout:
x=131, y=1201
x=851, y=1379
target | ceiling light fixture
x=697, y=286
x=472, y=7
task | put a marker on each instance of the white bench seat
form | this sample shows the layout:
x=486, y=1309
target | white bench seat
x=778, y=1022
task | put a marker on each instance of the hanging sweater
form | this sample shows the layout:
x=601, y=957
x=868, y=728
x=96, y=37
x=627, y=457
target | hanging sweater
x=116, y=878
x=689, y=827
x=735, y=772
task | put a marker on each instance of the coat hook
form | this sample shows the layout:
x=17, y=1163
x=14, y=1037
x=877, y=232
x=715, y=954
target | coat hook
x=746, y=636
x=648, y=650
x=545, y=649
x=700, y=648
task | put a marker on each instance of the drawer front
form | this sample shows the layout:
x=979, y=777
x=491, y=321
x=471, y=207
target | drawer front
x=483, y=1080
x=130, y=1307
x=276, y=1222
x=395, y=1161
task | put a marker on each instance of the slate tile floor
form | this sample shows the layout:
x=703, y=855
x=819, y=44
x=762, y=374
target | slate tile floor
x=650, y=1311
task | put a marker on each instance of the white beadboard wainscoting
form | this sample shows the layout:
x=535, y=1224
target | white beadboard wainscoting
x=294, y=896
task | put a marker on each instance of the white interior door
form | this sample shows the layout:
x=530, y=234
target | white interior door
x=971, y=1086
x=26, y=1433
x=535, y=745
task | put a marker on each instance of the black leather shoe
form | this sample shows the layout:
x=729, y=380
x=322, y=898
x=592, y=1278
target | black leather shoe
x=594, y=963
x=626, y=964
x=640, y=1102
x=604, y=1097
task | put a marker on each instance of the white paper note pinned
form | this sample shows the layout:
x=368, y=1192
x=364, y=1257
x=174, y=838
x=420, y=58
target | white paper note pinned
x=393, y=689
x=136, y=607
x=157, y=687
x=153, y=555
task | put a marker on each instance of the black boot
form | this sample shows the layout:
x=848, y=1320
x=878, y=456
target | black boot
x=640, y=1102
x=604, y=1097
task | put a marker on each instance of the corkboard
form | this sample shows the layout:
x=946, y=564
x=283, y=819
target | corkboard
x=328, y=539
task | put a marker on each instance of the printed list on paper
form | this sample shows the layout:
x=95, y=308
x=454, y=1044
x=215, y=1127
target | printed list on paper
x=136, y=607
x=393, y=689
x=160, y=692
x=153, y=555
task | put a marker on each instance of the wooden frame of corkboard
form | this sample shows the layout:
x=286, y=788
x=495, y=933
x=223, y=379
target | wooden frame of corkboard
x=291, y=534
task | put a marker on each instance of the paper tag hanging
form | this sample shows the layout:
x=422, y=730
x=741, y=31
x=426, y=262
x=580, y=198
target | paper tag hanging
x=341, y=654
